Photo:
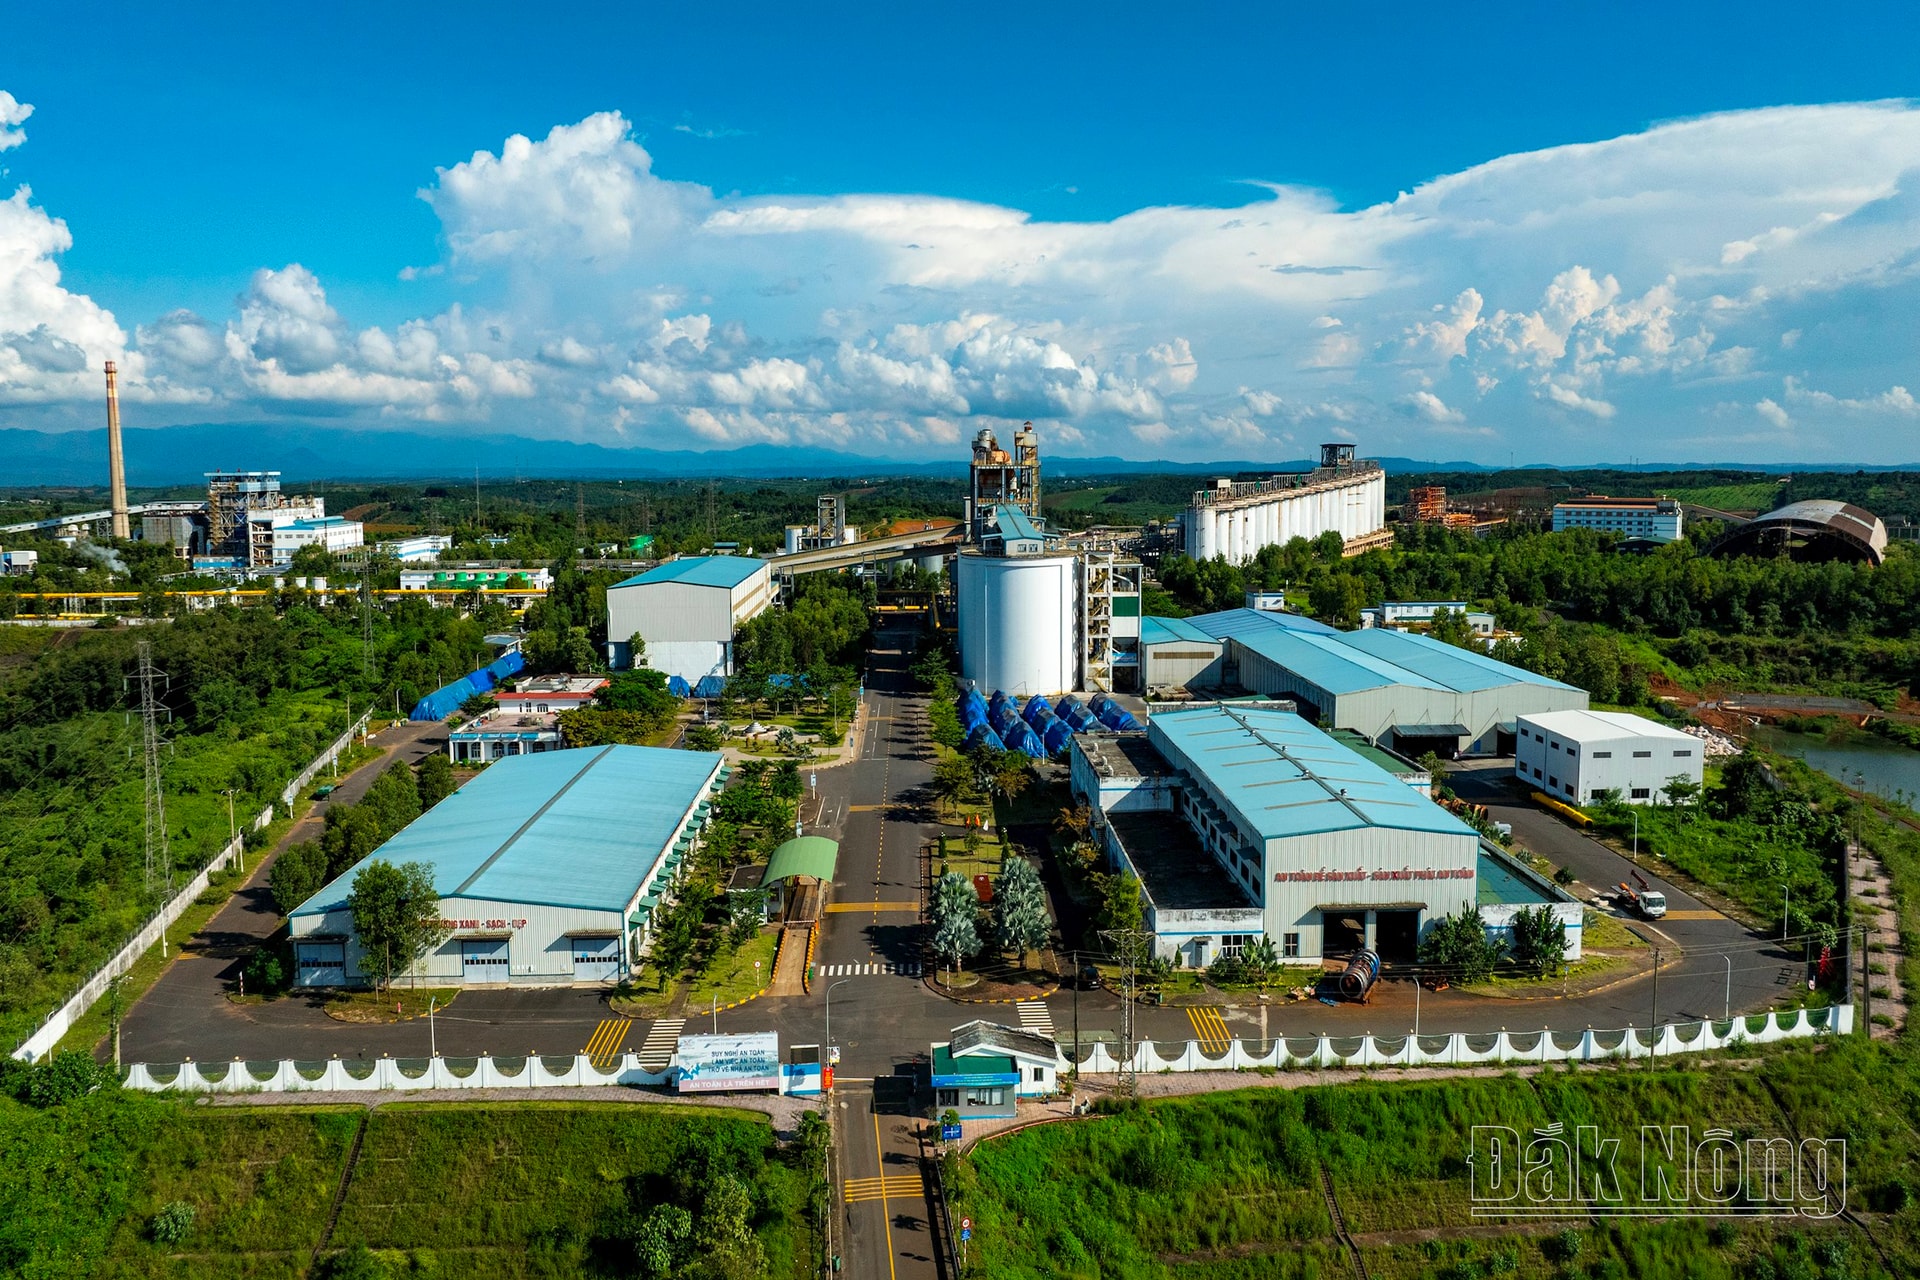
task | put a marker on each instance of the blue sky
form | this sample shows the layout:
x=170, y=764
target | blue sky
x=1571, y=233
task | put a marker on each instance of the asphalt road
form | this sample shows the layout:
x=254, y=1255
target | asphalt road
x=883, y=1017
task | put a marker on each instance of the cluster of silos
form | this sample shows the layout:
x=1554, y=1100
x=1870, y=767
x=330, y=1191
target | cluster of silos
x=1238, y=521
x=1019, y=622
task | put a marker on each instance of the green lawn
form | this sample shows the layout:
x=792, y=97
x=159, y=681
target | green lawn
x=1228, y=1185
x=731, y=977
x=504, y=1189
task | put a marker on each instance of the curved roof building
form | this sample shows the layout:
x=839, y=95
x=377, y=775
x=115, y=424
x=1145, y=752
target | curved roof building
x=1816, y=530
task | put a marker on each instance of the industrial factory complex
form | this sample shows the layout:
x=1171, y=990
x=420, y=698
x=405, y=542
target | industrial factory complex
x=549, y=868
x=1245, y=820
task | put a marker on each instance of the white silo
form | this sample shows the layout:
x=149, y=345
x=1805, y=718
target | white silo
x=1019, y=622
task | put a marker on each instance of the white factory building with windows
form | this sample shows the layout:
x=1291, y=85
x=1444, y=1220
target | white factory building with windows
x=1577, y=757
x=551, y=869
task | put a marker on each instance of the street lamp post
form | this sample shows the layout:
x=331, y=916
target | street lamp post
x=1636, y=837
x=433, y=1041
x=1726, y=1013
x=827, y=1048
x=232, y=831
x=1786, y=907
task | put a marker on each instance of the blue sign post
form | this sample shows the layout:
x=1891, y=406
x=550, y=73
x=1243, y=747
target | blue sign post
x=949, y=1133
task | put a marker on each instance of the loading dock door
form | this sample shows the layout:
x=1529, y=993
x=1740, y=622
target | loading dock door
x=1343, y=932
x=320, y=964
x=596, y=959
x=484, y=960
x=1396, y=935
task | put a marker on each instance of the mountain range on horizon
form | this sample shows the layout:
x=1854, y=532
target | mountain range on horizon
x=160, y=457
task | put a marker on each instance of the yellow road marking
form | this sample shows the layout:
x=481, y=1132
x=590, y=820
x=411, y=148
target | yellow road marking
x=604, y=1047
x=860, y=1190
x=1693, y=915
x=1210, y=1029
x=880, y=1154
x=874, y=906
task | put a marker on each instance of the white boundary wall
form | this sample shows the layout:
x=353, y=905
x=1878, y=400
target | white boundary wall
x=1460, y=1049
x=1466, y=1049
x=61, y=1020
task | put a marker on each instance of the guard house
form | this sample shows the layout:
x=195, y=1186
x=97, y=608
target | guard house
x=986, y=1067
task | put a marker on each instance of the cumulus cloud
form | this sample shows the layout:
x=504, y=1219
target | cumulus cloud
x=1628, y=282
x=13, y=114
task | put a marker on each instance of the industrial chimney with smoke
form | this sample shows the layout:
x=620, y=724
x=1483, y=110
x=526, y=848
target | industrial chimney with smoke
x=116, y=460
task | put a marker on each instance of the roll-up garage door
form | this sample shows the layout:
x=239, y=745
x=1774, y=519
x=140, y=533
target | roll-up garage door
x=320, y=964
x=484, y=959
x=596, y=959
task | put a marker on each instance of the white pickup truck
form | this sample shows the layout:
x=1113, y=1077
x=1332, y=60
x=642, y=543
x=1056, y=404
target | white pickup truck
x=1650, y=903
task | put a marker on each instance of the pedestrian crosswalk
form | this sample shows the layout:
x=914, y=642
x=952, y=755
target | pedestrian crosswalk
x=1035, y=1016
x=663, y=1037
x=907, y=969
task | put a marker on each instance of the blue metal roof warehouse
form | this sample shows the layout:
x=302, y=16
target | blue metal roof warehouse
x=700, y=571
x=579, y=844
x=1386, y=684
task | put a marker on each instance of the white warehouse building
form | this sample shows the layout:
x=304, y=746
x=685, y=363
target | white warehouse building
x=687, y=611
x=1578, y=756
x=1235, y=520
x=549, y=868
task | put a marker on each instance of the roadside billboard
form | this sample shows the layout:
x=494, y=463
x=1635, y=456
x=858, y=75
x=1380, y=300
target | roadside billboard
x=714, y=1064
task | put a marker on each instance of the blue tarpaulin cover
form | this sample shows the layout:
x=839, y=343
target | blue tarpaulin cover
x=446, y=700
x=983, y=736
x=1025, y=740
x=678, y=686
x=710, y=687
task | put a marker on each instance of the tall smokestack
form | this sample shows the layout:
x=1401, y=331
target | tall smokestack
x=116, y=460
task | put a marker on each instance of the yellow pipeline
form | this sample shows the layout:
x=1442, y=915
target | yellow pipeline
x=1566, y=811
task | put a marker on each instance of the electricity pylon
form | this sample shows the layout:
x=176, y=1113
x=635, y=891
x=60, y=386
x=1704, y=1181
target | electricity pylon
x=1126, y=944
x=149, y=677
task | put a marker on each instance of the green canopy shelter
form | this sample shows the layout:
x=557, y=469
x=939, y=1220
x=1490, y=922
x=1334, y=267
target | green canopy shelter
x=813, y=856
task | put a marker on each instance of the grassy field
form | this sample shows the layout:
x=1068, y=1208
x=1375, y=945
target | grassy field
x=1757, y=496
x=439, y=1190
x=1229, y=1185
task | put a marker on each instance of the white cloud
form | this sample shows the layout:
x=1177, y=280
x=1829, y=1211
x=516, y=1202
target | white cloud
x=13, y=114
x=1431, y=408
x=1625, y=281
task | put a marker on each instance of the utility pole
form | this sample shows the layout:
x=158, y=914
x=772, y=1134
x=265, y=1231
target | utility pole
x=159, y=861
x=366, y=618
x=1126, y=943
x=1654, y=1049
x=580, y=514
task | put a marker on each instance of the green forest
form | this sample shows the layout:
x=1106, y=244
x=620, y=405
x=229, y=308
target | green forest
x=250, y=695
x=1607, y=620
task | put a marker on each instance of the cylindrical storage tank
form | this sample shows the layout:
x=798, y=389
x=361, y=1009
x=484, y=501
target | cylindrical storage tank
x=1018, y=622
